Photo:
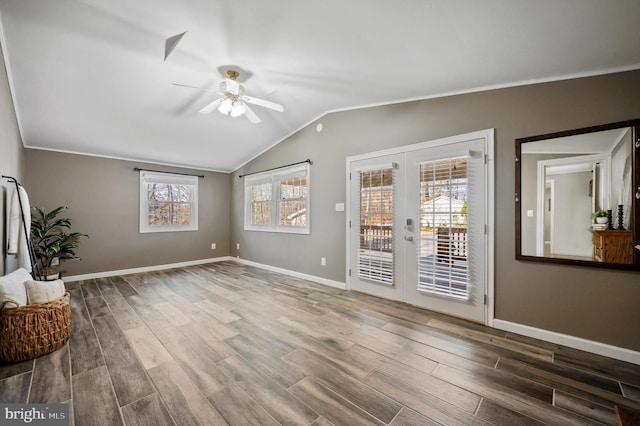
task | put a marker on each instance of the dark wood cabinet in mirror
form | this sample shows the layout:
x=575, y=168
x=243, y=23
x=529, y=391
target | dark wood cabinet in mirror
x=578, y=196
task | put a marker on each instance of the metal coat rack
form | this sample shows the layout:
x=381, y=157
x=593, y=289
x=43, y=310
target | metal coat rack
x=35, y=271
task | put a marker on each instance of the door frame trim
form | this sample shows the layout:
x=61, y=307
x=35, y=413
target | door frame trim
x=488, y=135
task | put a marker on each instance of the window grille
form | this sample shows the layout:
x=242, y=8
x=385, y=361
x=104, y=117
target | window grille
x=278, y=200
x=168, y=202
x=375, y=253
x=443, y=261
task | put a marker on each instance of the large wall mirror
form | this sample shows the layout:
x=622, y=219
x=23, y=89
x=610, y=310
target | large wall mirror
x=578, y=196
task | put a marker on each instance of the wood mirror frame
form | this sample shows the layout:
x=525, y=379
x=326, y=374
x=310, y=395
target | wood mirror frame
x=630, y=261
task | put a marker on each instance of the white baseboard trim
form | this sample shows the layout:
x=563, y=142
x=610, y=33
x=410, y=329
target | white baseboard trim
x=105, y=274
x=312, y=278
x=603, y=349
x=550, y=336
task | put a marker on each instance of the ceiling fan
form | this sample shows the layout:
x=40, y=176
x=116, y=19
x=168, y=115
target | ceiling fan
x=233, y=102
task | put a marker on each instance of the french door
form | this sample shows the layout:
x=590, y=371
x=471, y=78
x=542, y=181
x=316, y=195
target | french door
x=418, y=224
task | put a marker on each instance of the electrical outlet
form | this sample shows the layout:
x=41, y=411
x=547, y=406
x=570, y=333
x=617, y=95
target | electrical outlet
x=213, y=246
x=238, y=246
x=323, y=261
x=55, y=261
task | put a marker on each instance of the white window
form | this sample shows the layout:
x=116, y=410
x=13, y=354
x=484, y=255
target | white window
x=278, y=201
x=168, y=202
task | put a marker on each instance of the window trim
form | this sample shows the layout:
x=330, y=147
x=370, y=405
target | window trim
x=274, y=178
x=172, y=179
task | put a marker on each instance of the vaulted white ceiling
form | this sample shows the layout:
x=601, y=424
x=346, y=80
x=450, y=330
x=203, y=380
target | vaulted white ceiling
x=90, y=76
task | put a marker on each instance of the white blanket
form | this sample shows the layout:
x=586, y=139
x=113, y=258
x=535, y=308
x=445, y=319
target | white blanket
x=17, y=238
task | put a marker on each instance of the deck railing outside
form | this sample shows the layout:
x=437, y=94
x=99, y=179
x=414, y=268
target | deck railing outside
x=452, y=244
x=376, y=237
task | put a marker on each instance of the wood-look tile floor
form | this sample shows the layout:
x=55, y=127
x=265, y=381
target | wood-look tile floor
x=229, y=344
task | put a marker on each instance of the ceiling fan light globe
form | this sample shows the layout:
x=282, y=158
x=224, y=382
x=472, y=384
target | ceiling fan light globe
x=225, y=106
x=238, y=109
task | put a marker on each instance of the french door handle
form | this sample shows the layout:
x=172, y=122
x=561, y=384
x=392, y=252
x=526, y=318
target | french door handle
x=409, y=238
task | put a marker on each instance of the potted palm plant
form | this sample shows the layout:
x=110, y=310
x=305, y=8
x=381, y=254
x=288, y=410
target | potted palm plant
x=51, y=242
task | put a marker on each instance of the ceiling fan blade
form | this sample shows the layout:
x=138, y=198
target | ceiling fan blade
x=211, y=107
x=253, y=118
x=186, y=85
x=202, y=89
x=263, y=103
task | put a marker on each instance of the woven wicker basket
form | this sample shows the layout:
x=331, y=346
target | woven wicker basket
x=34, y=330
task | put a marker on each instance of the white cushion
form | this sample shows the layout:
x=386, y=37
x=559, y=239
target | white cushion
x=12, y=287
x=43, y=291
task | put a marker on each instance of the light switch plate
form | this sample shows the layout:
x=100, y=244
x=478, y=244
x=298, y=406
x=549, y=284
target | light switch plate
x=339, y=207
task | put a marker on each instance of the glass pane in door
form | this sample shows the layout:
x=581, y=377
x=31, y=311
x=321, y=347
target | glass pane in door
x=443, y=258
x=375, y=253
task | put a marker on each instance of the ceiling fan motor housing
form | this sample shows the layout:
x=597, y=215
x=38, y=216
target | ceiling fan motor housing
x=232, y=103
x=231, y=89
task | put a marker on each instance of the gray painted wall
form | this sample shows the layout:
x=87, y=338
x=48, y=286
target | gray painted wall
x=594, y=304
x=103, y=199
x=10, y=149
x=102, y=195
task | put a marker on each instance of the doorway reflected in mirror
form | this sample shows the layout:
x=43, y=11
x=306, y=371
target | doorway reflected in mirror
x=564, y=180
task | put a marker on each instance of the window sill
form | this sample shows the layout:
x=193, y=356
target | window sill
x=303, y=231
